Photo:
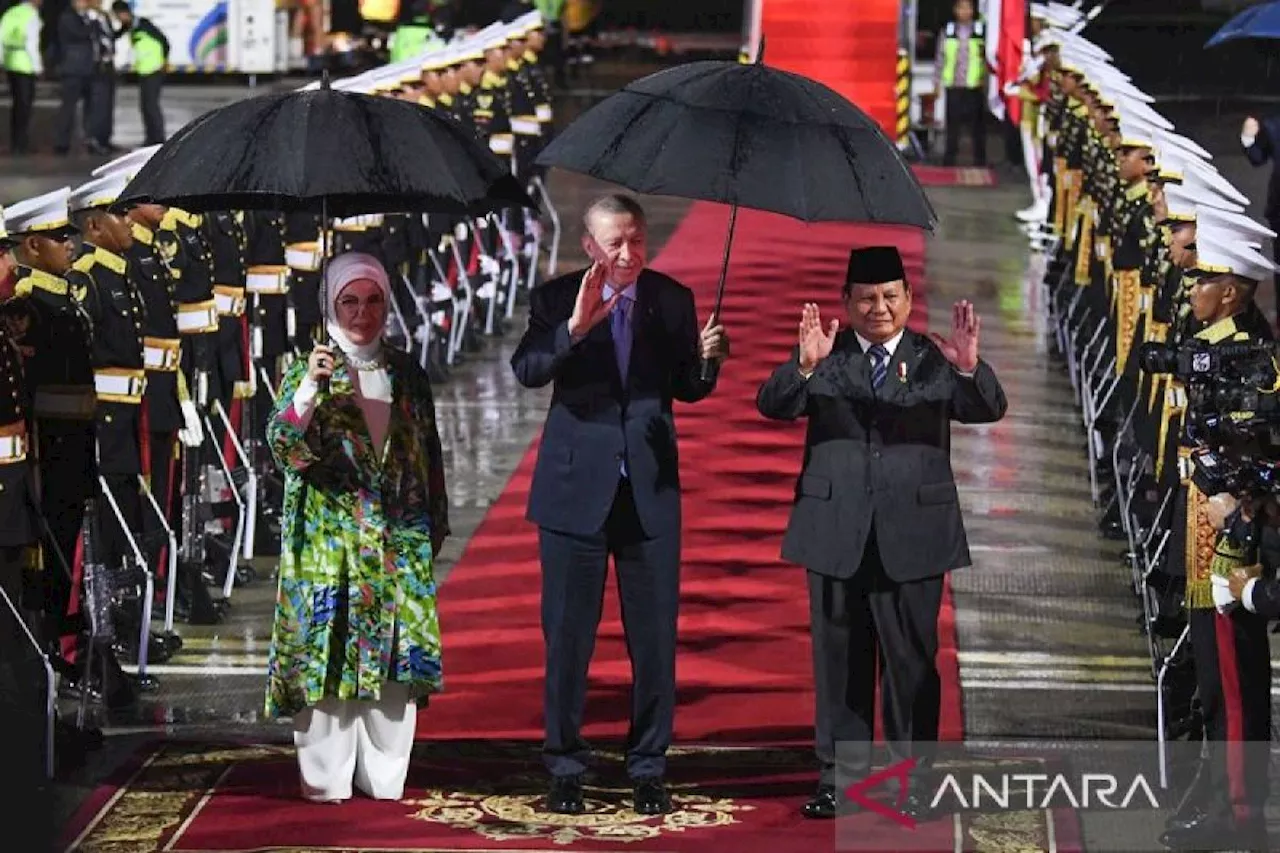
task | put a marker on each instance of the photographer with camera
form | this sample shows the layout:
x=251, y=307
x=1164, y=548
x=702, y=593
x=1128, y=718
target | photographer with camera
x=1227, y=368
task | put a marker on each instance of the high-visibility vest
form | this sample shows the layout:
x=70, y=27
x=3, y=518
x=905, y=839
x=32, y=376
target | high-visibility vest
x=977, y=56
x=410, y=40
x=148, y=53
x=13, y=36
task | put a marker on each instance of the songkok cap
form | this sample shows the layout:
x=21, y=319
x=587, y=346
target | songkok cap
x=1249, y=230
x=1212, y=179
x=45, y=215
x=874, y=265
x=1222, y=252
x=130, y=163
x=99, y=192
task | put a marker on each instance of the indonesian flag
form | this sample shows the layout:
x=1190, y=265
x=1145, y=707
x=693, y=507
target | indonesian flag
x=1006, y=35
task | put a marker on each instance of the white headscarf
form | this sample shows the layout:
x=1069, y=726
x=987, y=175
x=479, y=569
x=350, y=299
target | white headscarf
x=341, y=271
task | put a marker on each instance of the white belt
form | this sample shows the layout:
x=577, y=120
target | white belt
x=271, y=280
x=74, y=403
x=13, y=448
x=543, y=112
x=303, y=256
x=526, y=126
x=501, y=143
x=161, y=354
x=229, y=301
x=124, y=386
x=196, y=317
x=369, y=220
x=1176, y=397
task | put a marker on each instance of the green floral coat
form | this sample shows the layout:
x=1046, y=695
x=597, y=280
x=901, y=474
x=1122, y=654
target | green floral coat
x=356, y=604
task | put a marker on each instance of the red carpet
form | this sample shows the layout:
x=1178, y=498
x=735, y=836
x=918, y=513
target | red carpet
x=467, y=796
x=955, y=176
x=744, y=664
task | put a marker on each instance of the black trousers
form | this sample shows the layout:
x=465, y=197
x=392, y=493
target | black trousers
x=67, y=479
x=102, y=107
x=23, y=89
x=149, y=88
x=1233, y=680
x=864, y=624
x=966, y=110
x=574, y=570
x=77, y=89
x=162, y=481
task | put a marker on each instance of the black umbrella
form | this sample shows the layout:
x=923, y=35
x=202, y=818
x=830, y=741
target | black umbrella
x=328, y=151
x=749, y=136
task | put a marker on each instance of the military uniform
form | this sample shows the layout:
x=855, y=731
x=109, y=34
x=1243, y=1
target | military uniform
x=303, y=253
x=55, y=339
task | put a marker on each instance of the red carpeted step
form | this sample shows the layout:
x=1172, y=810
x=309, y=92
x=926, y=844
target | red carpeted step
x=744, y=665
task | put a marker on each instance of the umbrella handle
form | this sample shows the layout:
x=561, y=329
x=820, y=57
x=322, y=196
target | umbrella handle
x=711, y=366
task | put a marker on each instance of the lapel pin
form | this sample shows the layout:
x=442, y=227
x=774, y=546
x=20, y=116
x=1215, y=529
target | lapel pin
x=902, y=371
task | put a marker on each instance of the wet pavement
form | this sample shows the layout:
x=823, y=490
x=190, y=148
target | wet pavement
x=1049, y=646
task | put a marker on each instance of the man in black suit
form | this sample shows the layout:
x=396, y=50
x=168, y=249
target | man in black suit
x=876, y=520
x=607, y=482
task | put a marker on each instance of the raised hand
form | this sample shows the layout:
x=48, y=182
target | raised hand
x=962, y=348
x=1250, y=127
x=815, y=343
x=591, y=307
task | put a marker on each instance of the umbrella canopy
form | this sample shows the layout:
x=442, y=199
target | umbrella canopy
x=341, y=152
x=749, y=136
x=1256, y=22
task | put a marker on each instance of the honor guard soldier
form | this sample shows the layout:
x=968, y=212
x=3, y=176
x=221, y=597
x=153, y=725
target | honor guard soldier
x=1222, y=808
x=303, y=252
x=468, y=73
x=267, y=281
x=493, y=100
x=225, y=239
x=55, y=336
x=99, y=281
x=523, y=100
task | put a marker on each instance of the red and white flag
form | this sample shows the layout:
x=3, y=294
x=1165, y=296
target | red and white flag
x=1006, y=32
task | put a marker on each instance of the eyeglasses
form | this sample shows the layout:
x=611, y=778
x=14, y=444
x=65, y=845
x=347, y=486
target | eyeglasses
x=350, y=304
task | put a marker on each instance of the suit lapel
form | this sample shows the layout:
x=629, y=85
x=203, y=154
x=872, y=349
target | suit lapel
x=858, y=368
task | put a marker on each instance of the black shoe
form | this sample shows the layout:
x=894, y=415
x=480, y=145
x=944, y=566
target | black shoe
x=649, y=796
x=565, y=796
x=823, y=804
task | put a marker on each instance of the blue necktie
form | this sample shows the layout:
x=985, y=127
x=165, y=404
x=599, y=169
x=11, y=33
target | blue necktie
x=879, y=365
x=621, y=318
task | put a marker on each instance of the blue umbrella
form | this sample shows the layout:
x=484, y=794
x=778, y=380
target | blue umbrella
x=1256, y=22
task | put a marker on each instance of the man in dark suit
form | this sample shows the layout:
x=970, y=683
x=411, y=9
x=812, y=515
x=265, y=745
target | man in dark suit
x=876, y=520
x=618, y=343
x=1260, y=140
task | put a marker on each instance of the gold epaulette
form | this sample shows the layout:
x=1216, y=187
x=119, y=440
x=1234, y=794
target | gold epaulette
x=40, y=280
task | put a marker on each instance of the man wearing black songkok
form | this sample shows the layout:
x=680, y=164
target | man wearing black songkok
x=876, y=520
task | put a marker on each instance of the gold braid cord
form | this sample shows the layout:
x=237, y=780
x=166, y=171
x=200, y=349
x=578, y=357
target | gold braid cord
x=1084, y=252
x=1062, y=186
x=1128, y=312
x=1201, y=538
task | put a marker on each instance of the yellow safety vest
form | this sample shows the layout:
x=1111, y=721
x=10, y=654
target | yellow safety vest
x=977, y=57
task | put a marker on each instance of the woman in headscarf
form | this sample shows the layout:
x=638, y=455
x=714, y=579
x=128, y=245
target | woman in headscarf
x=356, y=641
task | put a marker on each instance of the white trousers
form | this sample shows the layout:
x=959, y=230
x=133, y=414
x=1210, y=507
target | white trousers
x=344, y=741
x=1031, y=158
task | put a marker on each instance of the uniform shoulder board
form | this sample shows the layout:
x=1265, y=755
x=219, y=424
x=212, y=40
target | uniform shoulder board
x=84, y=263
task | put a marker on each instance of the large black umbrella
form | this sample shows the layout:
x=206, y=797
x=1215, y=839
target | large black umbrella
x=333, y=152
x=745, y=135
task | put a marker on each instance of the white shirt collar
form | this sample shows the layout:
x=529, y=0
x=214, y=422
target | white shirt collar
x=890, y=345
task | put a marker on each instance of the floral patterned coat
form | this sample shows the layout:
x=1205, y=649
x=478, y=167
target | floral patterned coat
x=356, y=604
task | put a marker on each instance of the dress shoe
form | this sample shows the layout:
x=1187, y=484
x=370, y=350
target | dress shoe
x=823, y=804
x=649, y=796
x=565, y=796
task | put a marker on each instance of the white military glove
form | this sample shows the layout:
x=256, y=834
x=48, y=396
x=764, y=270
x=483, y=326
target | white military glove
x=1222, y=598
x=192, y=434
